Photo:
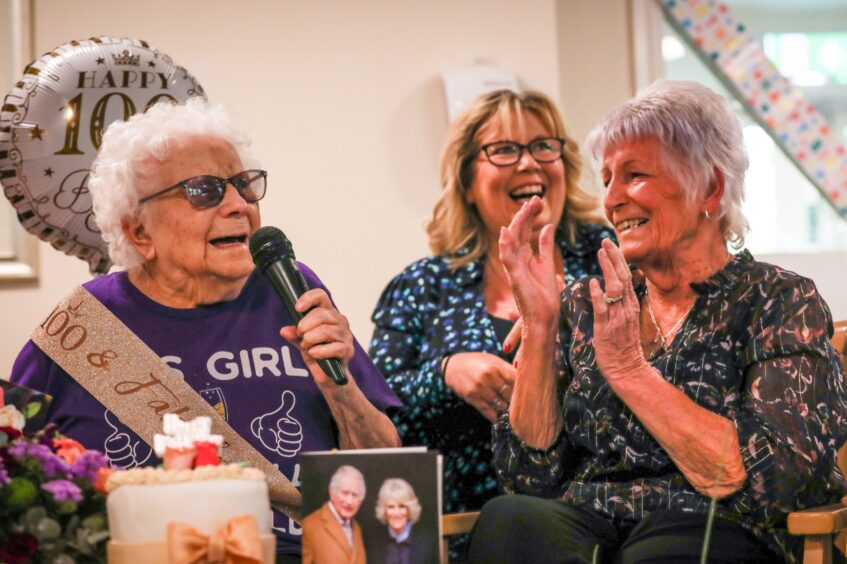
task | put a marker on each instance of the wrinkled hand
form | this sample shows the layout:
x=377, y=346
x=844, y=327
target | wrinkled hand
x=513, y=339
x=617, y=333
x=322, y=333
x=483, y=380
x=532, y=275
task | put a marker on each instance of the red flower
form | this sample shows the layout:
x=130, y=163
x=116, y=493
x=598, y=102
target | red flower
x=11, y=431
x=19, y=548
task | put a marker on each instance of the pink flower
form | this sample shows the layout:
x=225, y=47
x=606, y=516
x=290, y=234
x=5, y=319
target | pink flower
x=11, y=417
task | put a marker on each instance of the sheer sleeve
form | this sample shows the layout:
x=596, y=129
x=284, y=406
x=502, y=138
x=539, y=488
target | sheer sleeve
x=792, y=417
x=521, y=468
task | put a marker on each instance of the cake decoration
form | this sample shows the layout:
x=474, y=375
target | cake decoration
x=187, y=444
x=193, y=509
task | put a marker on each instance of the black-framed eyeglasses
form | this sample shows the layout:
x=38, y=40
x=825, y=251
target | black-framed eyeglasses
x=207, y=191
x=507, y=153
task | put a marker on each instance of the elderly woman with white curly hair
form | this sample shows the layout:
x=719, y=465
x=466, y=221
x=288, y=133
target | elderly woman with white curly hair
x=641, y=403
x=176, y=195
x=398, y=507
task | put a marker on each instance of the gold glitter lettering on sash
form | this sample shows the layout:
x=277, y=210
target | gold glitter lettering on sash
x=107, y=359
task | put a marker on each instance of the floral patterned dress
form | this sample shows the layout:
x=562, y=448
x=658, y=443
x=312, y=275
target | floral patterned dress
x=755, y=349
x=426, y=312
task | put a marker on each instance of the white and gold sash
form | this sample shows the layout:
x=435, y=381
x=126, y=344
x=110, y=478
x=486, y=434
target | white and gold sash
x=107, y=359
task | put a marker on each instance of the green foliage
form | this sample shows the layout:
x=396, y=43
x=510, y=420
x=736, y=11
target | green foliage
x=50, y=510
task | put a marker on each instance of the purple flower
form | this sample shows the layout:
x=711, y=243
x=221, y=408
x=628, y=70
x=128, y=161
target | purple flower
x=4, y=475
x=50, y=463
x=47, y=434
x=63, y=490
x=87, y=464
x=21, y=449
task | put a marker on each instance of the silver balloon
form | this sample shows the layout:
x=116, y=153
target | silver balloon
x=52, y=123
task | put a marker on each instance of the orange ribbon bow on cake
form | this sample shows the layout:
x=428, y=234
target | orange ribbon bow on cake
x=237, y=542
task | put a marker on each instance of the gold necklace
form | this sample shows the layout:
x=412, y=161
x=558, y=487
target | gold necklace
x=663, y=339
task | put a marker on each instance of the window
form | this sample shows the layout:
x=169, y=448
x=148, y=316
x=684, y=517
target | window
x=787, y=213
x=18, y=249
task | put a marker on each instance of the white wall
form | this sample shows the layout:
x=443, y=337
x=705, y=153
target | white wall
x=365, y=75
x=345, y=102
x=6, y=53
x=595, y=60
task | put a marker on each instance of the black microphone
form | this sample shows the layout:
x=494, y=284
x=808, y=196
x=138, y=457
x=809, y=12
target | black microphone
x=273, y=254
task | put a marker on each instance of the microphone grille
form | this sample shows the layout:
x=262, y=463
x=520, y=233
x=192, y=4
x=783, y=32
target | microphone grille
x=268, y=244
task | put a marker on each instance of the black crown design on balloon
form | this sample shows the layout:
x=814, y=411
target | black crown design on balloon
x=126, y=58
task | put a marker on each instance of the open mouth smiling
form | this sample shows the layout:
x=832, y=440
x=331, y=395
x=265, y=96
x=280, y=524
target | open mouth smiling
x=628, y=224
x=523, y=193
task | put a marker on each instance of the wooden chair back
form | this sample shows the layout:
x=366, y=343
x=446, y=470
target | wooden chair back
x=839, y=343
x=839, y=340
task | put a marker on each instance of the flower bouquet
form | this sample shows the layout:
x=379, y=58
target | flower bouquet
x=52, y=508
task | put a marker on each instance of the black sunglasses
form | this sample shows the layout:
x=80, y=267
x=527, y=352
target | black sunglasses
x=206, y=191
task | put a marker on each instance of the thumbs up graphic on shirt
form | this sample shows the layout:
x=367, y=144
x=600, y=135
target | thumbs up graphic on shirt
x=278, y=430
x=119, y=448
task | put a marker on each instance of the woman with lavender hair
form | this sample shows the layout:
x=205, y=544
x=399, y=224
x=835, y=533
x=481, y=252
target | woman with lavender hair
x=642, y=404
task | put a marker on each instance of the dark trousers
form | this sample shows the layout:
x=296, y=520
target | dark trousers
x=517, y=528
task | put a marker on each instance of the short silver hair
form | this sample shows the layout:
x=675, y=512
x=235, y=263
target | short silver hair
x=399, y=490
x=344, y=471
x=132, y=150
x=698, y=132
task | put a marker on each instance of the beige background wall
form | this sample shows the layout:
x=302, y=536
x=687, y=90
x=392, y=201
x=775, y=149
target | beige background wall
x=359, y=80
x=345, y=100
x=595, y=60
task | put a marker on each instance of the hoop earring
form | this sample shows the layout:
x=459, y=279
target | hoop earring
x=706, y=213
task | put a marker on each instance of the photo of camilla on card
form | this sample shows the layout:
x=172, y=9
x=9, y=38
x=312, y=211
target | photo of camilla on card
x=380, y=506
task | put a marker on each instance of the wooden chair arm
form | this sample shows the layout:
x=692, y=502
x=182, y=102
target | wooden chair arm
x=818, y=520
x=455, y=524
x=458, y=523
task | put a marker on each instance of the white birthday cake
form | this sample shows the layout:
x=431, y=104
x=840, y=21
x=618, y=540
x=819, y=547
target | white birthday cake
x=161, y=514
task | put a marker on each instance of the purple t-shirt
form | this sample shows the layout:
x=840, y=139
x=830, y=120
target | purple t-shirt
x=233, y=355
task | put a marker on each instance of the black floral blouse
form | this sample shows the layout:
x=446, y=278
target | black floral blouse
x=755, y=349
x=426, y=312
